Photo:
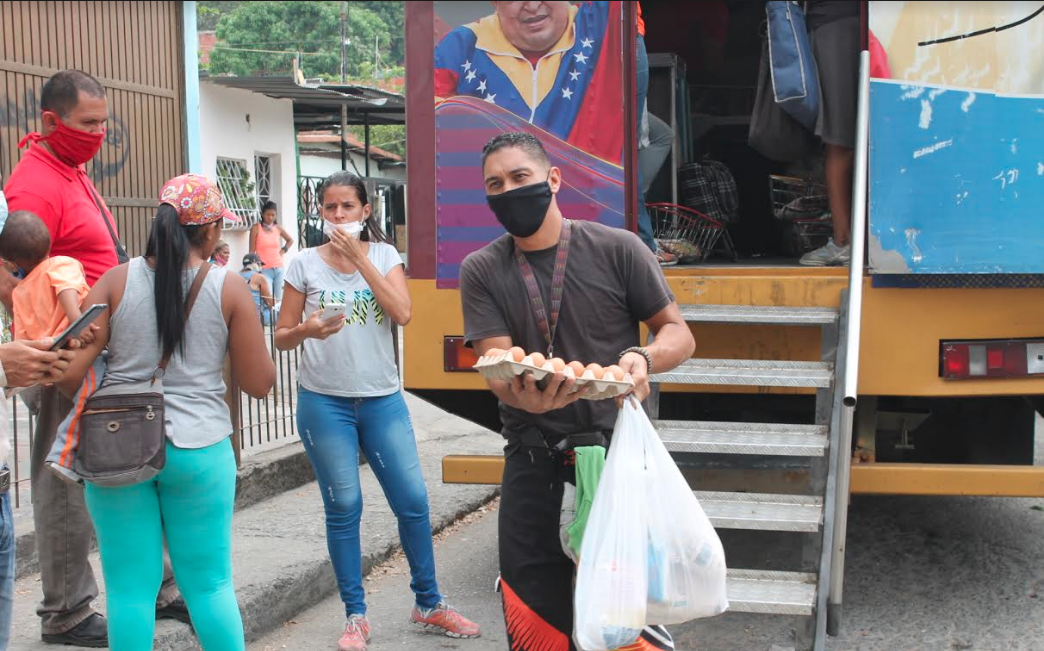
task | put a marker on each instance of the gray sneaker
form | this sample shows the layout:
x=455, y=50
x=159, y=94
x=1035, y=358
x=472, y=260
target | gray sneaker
x=829, y=255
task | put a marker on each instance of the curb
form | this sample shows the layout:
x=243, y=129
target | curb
x=261, y=477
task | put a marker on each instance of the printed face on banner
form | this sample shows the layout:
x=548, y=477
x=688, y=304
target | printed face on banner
x=957, y=137
x=552, y=69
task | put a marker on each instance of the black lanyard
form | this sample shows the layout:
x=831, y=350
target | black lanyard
x=547, y=326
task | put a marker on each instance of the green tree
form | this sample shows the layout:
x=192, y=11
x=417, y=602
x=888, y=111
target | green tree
x=392, y=15
x=389, y=137
x=311, y=28
x=209, y=13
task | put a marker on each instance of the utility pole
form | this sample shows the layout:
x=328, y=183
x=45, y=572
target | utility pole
x=344, y=80
x=344, y=41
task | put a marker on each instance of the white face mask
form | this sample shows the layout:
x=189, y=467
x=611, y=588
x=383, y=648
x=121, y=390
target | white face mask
x=354, y=229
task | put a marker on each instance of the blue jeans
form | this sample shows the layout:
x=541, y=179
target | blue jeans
x=333, y=430
x=645, y=230
x=275, y=278
x=7, y=562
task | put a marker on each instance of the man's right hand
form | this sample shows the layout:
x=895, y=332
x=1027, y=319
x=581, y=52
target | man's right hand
x=554, y=396
x=30, y=362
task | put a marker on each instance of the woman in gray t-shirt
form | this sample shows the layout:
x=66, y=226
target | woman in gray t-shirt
x=349, y=398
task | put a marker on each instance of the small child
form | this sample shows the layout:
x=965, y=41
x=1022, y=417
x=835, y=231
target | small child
x=45, y=302
x=48, y=298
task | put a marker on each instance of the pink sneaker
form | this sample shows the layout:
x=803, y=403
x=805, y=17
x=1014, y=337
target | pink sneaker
x=356, y=634
x=446, y=619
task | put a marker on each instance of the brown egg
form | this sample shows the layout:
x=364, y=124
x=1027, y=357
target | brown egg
x=538, y=359
x=558, y=364
x=517, y=353
x=577, y=368
x=596, y=369
x=614, y=373
x=494, y=352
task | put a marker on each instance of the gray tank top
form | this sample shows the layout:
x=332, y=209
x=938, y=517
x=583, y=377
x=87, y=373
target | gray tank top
x=193, y=387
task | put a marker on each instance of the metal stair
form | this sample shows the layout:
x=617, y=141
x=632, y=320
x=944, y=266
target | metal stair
x=795, y=593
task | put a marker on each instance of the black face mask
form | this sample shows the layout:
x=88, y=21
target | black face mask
x=522, y=211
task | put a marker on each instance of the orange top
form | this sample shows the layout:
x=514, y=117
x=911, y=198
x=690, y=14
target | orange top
x=641, y=23
x=270, y=246
x=37, y=313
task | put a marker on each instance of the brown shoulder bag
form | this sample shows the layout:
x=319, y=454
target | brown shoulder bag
x=123, y=438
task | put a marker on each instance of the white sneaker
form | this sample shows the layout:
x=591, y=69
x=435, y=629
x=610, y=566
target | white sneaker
x=829, y=255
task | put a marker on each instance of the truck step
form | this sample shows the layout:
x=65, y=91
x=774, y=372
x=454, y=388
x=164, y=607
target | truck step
x=759, y=314
x=743, y=438
x=750, y=372
x=771, y=593
x=762, y=511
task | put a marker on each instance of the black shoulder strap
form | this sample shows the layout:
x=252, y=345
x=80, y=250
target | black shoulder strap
x=121, y=253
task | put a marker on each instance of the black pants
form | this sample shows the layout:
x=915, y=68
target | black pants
x=536, y=577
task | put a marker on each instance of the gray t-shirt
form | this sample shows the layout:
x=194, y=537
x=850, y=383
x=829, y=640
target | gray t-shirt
x=358, y=361
x=612, y=282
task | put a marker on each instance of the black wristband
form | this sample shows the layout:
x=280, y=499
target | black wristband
x=644, y=352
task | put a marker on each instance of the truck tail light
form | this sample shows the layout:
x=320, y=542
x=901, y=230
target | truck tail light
x=971, y=360
x=456, y=357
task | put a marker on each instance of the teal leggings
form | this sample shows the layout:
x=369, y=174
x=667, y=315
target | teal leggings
x=189, y=502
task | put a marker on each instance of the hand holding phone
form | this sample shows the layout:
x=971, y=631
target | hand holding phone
x=317, y=326
x=333, y=311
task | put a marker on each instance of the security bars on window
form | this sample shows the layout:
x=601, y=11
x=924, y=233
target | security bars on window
x=237, y=189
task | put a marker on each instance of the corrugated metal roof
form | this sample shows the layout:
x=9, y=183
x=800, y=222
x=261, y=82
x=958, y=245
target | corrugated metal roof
x=320, y=105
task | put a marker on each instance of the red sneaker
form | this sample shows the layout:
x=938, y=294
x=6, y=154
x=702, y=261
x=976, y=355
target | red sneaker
x=446, y=619
x=356, y=634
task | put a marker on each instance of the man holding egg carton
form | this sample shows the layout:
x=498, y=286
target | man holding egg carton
x=560, y=289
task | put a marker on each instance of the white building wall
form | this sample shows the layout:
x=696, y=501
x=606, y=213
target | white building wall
x=239, y=124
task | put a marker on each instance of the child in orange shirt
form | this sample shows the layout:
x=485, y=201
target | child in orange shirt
x=48, y=298
x=45, y=302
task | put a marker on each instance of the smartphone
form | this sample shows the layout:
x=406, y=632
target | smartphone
x=333, y=310
x=77, y=327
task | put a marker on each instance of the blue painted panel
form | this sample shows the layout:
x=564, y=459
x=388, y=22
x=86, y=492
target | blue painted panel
x=956, y=181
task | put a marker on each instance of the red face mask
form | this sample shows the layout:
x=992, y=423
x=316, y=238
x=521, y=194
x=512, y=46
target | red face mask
x=72, y=146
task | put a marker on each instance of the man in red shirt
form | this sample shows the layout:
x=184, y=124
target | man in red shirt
x=50, y=181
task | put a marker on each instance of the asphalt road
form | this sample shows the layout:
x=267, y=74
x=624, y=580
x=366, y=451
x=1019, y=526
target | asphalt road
x=924, y=574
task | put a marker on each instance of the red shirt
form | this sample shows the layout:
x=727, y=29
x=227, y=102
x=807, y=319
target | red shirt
x=62, y=197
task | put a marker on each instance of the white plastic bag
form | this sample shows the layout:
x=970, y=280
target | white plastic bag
x=686, y=559
x=613, y=572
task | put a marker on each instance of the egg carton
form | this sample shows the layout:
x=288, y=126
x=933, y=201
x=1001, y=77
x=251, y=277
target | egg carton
x=504, y=367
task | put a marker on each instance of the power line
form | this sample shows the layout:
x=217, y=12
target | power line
x=243, y=49
x=294, y=42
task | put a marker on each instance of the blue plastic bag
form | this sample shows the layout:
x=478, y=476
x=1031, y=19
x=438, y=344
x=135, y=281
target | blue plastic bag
x=794, y=79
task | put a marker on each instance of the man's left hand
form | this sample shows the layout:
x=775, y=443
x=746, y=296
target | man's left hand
x=638, y=367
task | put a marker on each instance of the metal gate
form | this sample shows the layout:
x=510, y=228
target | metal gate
x=135, y=51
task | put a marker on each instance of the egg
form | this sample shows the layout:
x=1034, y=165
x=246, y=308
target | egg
x=558, y=364
x=614, y=373
x=576, y=367
x=517, y=353
x=596, y=369
x=538, y=359
x=493, y=352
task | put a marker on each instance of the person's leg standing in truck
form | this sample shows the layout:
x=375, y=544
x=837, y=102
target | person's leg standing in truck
x=834, y=27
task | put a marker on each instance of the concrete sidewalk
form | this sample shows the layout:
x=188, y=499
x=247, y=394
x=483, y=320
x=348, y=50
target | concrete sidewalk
x=281, y=564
